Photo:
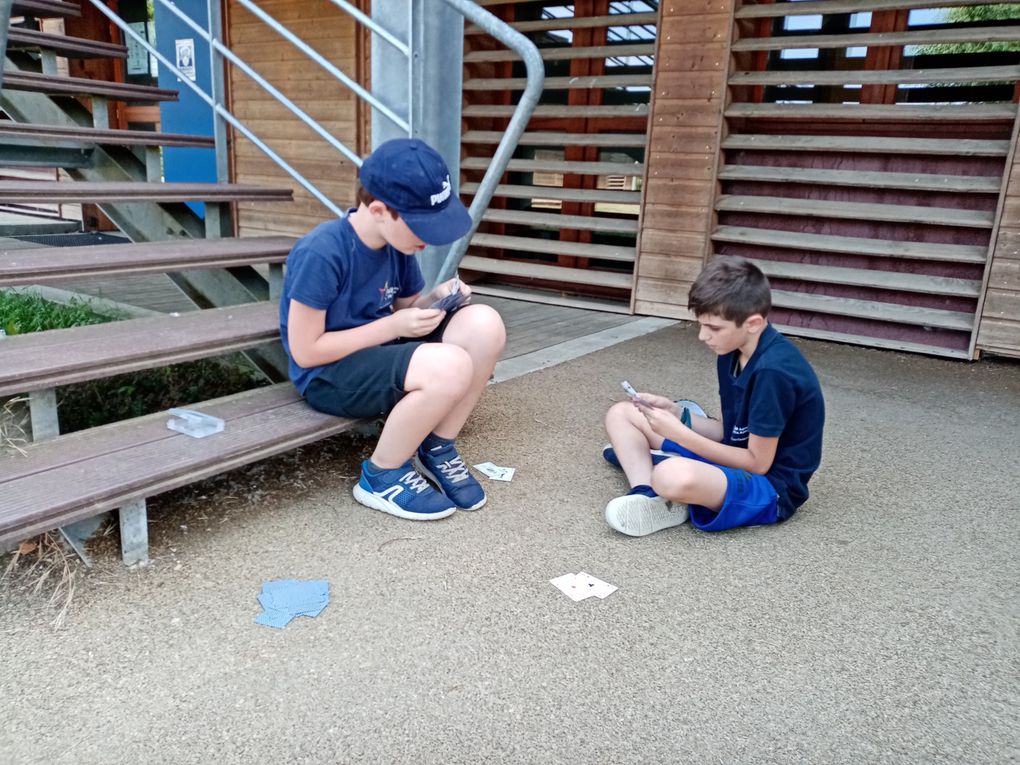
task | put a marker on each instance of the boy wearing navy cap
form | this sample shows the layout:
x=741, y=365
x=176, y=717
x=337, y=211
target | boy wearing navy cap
x=363, y=341
x=752, y=467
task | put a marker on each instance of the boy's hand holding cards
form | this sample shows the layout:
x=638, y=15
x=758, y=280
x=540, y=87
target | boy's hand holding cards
x=453, y=301
x=629, y=390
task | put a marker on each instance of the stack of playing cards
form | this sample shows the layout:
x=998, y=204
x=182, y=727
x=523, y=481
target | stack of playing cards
x=284, y=599
x=581, y=585
x=451, y=302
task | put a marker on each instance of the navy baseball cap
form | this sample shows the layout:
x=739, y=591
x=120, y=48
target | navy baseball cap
x=411, y=178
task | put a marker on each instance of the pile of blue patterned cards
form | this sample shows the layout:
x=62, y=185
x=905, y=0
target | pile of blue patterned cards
x=284, y=599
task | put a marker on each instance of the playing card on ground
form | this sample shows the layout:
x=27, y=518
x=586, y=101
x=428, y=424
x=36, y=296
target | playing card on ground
x=570, y=586
x=595, y=586
x=495, y=472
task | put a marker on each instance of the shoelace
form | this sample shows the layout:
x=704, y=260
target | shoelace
x=414, y=481
x=455, y=470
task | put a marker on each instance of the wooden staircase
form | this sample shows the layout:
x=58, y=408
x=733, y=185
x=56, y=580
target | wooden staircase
x=563, y=223
x=59, y=479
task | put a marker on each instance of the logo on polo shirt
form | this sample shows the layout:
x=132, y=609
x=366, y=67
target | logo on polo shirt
x=386, y=294
x=739, y=434
x=443, y=195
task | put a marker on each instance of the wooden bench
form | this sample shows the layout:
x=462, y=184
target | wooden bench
x=44, y=9
x=25, y=132
x=62, y=45
x=78, y=476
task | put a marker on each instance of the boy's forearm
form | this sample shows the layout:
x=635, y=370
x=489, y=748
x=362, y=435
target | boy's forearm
x=719, y=453
x=333, y=346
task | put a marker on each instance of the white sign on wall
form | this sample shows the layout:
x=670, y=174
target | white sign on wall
x=186, y=57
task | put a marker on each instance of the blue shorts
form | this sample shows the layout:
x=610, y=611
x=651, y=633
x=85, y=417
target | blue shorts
x=750, y=499
x=369, y=382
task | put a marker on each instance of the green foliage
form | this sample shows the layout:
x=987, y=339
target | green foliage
x=971, y=14
x=98, y=402
x=23, y=312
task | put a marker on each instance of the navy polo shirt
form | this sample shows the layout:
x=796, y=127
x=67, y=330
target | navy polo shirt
x=775, y=395
x=331, y=269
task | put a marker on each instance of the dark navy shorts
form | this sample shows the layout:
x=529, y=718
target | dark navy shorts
x=369, y=382
x=751, y=500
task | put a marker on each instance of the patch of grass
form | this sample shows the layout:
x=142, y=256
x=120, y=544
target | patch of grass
x=22, y=312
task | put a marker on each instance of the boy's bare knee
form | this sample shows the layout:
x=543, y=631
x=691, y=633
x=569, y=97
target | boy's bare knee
x=621, y=411
x=673, y=481
x=484, y=326
x=444, y=366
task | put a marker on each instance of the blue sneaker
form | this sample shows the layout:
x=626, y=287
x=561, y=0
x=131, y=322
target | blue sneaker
x=609, y=455
x=403, y=493
x=444, y=467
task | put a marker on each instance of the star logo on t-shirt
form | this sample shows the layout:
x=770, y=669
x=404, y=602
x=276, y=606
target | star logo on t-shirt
x=386, y=294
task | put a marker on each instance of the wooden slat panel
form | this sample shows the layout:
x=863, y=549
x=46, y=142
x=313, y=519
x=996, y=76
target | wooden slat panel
x=571, y=22
x=869, y=309
x=560, y=83
x=86, y=136
x=62, y=45
x=941, y=216
x=44, y=9
x=557, y=192
x=922, y=37
x=34, y=82
x=953, y=147
x=851, y=245
x=45, y=265
x=859, y=277
x=555, y=247
x=567, y=112
x=550, y=273
x=100, y=191
x=966, y=184
x=812, y=7
x=871, y=342
x=546, y=138
x=548, y=298
x=629, y=169
x=878, y=77
x=60, y=357
x=948, y=113
x=566, y=53
x=557, y=222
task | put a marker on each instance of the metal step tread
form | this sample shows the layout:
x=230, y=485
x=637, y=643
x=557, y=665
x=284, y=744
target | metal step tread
x=135, y=191
x=43, y=265
x=558, y=222
x=559, y=166
x=966, y=184
x=40, y=360
x=943, y=216
x=35, y=82
x=80, y=475
x=555, y=247
x=874, y=310
x=62, y=45
x=610, y=196
x=11, y=131
x=548, y=272
x=868, y=145
x=852, y=245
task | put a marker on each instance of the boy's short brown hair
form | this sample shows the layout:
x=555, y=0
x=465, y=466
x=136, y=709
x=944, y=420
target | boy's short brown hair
x=364, y=198
x=732, y=288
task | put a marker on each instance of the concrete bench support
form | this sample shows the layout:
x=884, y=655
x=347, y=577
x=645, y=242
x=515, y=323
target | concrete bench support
x=134, y=533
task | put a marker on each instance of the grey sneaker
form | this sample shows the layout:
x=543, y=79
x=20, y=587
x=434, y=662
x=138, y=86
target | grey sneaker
x=637, y=515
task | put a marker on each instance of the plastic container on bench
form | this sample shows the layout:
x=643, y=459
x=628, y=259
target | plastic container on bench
x=194, y=424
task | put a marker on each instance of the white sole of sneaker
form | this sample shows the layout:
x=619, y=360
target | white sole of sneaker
x=374, y=501
x=426, y=473
x=638, y=516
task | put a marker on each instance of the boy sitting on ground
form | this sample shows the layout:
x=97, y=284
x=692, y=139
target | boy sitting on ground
x=363, y=341
x=752, y=467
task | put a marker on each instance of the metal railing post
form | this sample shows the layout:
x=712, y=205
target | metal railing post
x=5, y=21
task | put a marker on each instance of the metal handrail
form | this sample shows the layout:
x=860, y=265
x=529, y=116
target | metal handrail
x=518, y=122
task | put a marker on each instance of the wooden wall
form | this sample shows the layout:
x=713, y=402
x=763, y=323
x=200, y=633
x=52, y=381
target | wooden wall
x=692, y=62
x=332, y=33
x=999, y=330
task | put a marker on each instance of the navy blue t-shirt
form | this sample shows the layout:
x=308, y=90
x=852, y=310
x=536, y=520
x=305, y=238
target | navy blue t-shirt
x=775, y=395
x=331, y=269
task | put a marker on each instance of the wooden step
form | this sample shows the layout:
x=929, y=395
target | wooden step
x=608, y=196
x=549, y=297
x=566, y=112
x=558, y=222
x=857, y=144
x=132, y=191
x=548, y=138
x=965, y=184
x=80, y=475
x=851, y=245
x=40, y=360
x=813, y=7
x=628, y=169
x=502, y=84
x=880, y=112
x=879, y=77
x=860, y=277
x=566, y=53
x=11, y=132
x=871, y=342
x=34, y=82
x=955, y=35
x=547, y=272
x=45, y=9
x=555, y=247
x=874, y=310
x=45, y=265
x=936, y=216
x=571, y=23
x=62, y=45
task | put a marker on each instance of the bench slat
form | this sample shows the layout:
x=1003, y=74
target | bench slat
x=62, y=45
x=42, y=265
x=40, y=360
x=35, y=82
x=136, y=191
x=151, y=459
x=43, y=9
x=13, y=132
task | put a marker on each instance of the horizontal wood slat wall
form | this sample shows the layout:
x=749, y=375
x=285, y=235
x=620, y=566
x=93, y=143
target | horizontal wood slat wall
x=332, y=33
x=683, y=146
